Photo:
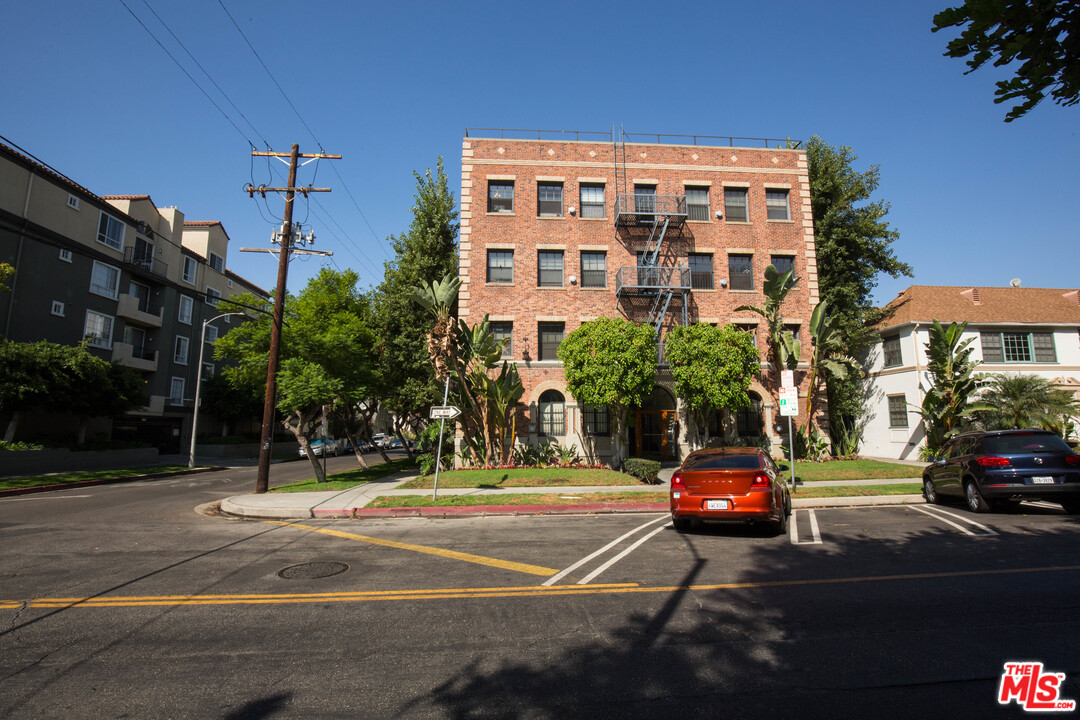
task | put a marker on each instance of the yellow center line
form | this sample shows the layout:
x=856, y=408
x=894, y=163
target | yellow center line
x=496, y=592
x=452, y=554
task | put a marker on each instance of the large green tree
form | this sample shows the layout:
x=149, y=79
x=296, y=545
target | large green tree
x=422, y=256
x=1039, y=38
x=950, y=401
x=712, y=367
x=854, y=245
x=611, y=362
x=327, y=354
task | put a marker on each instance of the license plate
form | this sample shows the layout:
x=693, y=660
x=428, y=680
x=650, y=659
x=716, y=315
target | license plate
x=1042, y=480
x=716, y=504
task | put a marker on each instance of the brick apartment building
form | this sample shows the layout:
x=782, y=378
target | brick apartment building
x=133, y=279
x=557, y=232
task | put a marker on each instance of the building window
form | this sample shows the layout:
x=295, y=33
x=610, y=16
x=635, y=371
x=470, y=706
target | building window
x=185, y=308
x=741, y=272
x=549, y=199
x=782, y=263
x=136, y=338
x=207, y=370
x=890, y=347
x=105, y=280
x=65, y=255
x=593, y=269
x=211, y=334
x=73, y=202
x=776, y=204
x=180, y=350
x=552, y=409
x=504, y=330
x=212, y=296
x=898, y=411
x=57, y=308
x=98, y=330
x=176, y=391
x=189, y=270
x=549, y=268
x=645, y=199
x=596, y=419
x=217, y=262
x=500, y=196
x=141, y=293
x=752, y=330
x=592, y=201
x=111, y=232
x=500, y=266
x=794, y=330
x=1018, y=347
x=701, y=271
x=735, y=206
x=748, y=422
x=697, y=203
x=551, y=336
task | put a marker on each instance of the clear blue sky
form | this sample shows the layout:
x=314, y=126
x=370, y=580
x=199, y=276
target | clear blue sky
x=391, y=87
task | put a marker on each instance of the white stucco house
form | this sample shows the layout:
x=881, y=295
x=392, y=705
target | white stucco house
x=1015, y=329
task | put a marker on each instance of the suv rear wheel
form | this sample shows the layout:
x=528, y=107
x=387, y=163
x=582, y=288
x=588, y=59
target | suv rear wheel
x=929, y=491
x=975, y=500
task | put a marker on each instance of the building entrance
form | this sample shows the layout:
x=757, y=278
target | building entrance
x=656, y=428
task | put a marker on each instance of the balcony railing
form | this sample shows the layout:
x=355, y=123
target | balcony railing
x=646, y=208
x=145, y=261
x=638, y=279
x=130, y=307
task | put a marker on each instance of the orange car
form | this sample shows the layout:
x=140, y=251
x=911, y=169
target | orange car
x=730, y=484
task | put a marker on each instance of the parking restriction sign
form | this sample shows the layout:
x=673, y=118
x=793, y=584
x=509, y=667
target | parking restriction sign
x=789, y=401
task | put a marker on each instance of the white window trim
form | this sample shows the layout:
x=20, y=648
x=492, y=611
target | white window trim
x=177, y=359
x=180, y=310
x=57, y=308
x=194, y=271
x=107, y=343
x=211, y=330
x=73, y=202
x=65, y=255
x=213, y=296
x=210, y=262
x=173, y=400
x=116, y=285
x=123, y=231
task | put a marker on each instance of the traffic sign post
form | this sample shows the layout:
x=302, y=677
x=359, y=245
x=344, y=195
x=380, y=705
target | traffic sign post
x=789, y=405
x=442, y=413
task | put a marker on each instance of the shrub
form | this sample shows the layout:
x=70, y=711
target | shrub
x=18, y=446
x=644, y=470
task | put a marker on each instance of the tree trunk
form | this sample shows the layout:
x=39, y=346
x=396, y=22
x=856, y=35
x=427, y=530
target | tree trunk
x=619, y=443
x=13, y=424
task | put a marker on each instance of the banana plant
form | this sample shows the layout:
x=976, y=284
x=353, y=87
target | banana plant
x=827, y=357
x=949, y=401
x=439, y=300
x=784, y=349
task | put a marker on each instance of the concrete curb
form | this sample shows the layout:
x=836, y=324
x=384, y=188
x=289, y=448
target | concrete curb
x=103, y=481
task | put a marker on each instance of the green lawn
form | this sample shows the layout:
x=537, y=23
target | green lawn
x=858, y=490
x=522, y=477
x=73, y=477
x=352, y=478
x=853, y=470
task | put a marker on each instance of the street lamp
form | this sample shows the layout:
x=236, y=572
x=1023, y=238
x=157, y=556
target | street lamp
x=198, y=384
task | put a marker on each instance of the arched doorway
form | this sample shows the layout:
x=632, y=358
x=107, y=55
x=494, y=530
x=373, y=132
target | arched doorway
x=656, y=428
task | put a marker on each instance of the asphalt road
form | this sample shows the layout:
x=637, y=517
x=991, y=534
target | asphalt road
x=122, y=602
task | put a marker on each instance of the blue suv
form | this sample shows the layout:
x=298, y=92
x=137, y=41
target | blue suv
x=996, y=469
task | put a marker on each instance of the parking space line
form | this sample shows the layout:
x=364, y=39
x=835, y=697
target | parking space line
x=585, y=580
x=559, y=576
x=938, y=512
x=815, y=532
x=452, y=554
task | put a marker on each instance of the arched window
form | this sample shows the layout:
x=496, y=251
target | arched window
x=748, y=419
x=552, y=409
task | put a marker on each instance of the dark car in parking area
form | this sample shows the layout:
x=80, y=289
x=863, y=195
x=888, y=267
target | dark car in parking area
x=996, y=469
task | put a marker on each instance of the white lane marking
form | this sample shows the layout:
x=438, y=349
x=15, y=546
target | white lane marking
x=793, y=527
x=585, y=580
x=49, y=497
x=559, y=576
x=938, y=512
x=815, y=532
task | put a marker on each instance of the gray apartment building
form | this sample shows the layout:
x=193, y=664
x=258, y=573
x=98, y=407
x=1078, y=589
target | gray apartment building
x=134, y=279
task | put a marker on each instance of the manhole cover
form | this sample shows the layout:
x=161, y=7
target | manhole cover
x=309, y=571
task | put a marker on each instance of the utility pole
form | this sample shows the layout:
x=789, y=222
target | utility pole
x=262, y=482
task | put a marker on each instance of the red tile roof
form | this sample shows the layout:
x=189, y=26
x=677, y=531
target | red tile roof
x=977, y=305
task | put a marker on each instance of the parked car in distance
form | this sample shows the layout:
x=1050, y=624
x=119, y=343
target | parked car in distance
x=380, y=440
x=318, y=448
x=995, y=469
x=737, y=484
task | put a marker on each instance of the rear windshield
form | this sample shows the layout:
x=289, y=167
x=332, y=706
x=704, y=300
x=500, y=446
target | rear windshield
x=723, y=462
x=1024, y=443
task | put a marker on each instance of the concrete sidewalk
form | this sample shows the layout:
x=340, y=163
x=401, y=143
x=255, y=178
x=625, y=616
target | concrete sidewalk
x=351, y=503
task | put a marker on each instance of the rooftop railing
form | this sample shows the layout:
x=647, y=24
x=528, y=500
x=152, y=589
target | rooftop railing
x=635, y=138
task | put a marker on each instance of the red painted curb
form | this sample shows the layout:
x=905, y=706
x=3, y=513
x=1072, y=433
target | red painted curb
x=482, y=510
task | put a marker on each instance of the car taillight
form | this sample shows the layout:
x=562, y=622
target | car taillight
x=992, y=461
x=760, y=480
x=1072, y=459
x=677, y=481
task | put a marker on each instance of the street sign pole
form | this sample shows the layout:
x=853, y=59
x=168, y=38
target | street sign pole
x=791, y=449
x=789, y=405
x=438, y=450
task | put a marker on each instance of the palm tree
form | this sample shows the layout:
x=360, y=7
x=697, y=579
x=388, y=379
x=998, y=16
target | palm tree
x=1026, y=401
x=439, y=300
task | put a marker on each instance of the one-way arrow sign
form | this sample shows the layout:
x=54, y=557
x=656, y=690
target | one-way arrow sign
x=444, y=412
